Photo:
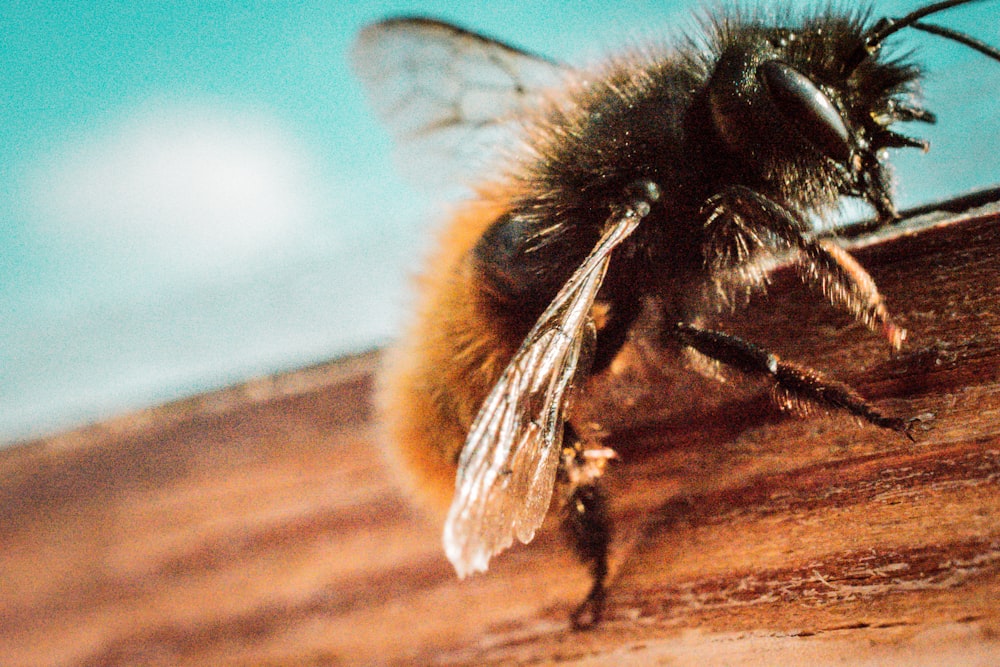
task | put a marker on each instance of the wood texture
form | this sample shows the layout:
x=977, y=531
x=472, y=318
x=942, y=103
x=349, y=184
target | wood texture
x=259, y=525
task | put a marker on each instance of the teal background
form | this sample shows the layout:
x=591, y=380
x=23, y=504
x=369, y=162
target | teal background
x=197, y=193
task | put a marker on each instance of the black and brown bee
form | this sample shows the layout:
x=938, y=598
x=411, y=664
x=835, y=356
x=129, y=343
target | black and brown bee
x=677, y=174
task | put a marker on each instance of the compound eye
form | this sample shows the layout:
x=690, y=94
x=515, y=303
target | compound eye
x=803, y=104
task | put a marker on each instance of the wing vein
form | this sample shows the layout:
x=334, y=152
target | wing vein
x=507, y=469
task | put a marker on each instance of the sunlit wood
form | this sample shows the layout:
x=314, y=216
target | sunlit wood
x=259, y=525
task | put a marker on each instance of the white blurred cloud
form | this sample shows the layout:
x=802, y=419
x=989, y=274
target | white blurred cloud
x=183, y=187
x=177, y=248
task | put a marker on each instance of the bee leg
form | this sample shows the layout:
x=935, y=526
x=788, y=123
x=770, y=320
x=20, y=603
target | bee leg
x=742, y=225
x=794, y=386
x=586, y=523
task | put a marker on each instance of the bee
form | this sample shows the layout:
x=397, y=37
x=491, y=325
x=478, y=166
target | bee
x=675, y=174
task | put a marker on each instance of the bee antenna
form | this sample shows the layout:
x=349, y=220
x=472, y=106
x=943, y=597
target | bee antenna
x=887, y=26
x=961, y=38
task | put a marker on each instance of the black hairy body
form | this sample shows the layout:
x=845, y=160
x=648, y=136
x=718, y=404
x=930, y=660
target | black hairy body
x=671, y=176
x=650, y=117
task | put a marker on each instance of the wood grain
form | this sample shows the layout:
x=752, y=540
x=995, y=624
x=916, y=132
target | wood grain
x=259, y=525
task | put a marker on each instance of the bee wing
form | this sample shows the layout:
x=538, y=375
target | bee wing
x=507, y=469
x=447, y=94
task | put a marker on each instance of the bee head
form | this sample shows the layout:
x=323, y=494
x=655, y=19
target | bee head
x=783, y=103
x=815, y=103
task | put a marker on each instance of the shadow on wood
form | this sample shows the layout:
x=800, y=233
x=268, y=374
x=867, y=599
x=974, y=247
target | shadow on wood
x=258, y=525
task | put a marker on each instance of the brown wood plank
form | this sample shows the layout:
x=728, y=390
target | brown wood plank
x=259, y=525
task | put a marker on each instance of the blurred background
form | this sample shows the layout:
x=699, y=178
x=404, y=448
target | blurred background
x=198, y=193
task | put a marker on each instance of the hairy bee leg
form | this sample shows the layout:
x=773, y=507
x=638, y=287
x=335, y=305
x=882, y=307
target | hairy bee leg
x=792, y=384
x=741, y=223
x=586, y=522
x=590, y=530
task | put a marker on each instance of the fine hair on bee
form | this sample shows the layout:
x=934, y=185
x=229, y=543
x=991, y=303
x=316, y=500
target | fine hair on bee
x=671, y=173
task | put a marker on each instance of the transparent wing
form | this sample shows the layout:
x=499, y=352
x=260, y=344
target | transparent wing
x=449, y=96
x=507, y=469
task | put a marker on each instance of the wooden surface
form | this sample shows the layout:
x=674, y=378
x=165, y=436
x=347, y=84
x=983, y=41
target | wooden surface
x=259, y=525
